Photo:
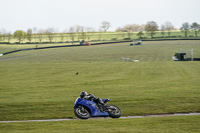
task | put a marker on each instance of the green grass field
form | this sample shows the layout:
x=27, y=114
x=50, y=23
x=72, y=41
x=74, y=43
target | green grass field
x=178, y=124
x=41, y=84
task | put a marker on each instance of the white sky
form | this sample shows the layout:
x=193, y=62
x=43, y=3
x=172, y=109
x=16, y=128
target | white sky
x=61, y=14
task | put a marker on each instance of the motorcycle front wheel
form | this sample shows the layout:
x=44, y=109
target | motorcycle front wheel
x=81, y=112
x=115, y=112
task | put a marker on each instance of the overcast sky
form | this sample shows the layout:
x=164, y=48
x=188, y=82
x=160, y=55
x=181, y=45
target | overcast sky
x=61, y=14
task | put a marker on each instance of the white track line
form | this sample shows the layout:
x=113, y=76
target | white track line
x=128, y=117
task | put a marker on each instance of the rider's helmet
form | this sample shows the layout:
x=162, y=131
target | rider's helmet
x=83, y=94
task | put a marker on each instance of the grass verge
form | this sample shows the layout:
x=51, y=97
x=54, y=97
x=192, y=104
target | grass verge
x=175, y=124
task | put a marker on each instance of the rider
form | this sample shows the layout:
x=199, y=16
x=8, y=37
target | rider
x=91, y=97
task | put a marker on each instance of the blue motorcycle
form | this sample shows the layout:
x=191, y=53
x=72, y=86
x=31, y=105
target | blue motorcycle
x=85, y=109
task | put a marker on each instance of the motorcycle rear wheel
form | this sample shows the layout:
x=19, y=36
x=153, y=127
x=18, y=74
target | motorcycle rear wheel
x=81, y=112
x=114, y=113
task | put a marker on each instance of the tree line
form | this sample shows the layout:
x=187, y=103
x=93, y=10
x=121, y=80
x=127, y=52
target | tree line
x=84, y=33
x=79, y=32
x=151, y=27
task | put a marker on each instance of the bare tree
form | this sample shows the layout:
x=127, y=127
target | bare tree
x=196, y=27
x=29, y=34
x=62, y=36
x=105, y=25
x=185, y=28
x=3, y=34
x=82, y=34
x=50, y=33
x=162, y=29
x=128, y=28
x=72, y=31
x=168, y=27
x=78, y=30
x=151, y=28
x=89, y=32
x=40, y=34
x=140, y=34
x=9, y=36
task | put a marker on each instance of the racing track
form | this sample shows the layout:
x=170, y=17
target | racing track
x=128, y=117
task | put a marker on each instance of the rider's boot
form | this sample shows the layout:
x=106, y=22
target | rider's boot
x=102, y=107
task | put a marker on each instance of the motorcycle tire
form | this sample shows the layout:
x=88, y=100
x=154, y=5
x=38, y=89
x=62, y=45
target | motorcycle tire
x=116, y=113
x=81, y=112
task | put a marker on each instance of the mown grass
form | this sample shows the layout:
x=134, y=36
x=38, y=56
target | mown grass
x=178, y=124
x=42, y=84
x=12, y=47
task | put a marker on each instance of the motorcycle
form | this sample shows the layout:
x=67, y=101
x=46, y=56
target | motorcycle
x=85, y=109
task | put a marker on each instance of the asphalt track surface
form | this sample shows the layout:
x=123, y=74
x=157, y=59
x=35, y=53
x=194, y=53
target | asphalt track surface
x=128, y=117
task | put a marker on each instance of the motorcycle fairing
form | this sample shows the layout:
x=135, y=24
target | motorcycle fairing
x=91, y=105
